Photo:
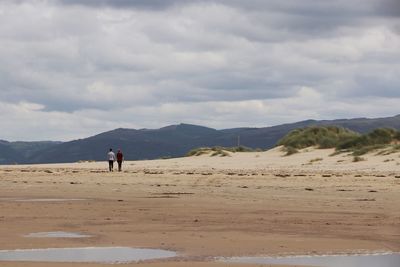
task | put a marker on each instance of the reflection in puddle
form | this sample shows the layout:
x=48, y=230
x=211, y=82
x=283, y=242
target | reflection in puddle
x=375, y=260
x=98, y=254
x=57, y=235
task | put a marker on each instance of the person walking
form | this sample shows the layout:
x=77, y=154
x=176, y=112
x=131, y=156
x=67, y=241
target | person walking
x=120, y=158
x=111, y=159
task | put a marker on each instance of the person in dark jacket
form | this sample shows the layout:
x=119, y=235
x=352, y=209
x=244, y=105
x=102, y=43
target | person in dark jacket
x=120, y=158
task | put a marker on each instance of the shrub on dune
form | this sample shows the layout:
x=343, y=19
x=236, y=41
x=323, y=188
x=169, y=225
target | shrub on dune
x=377, y=139
x=342, y=139
x=318, y=136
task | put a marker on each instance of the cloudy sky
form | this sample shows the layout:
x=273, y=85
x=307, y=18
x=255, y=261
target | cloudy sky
x=73, y=68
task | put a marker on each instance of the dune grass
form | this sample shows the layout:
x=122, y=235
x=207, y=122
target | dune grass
x=358, y=159
x=198, y=151
x=290, y=150
x=219, y=151
x=342, y=139
x=389, y=150
x=321, y=137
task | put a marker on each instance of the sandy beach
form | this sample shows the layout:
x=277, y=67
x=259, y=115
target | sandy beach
x=203, y=207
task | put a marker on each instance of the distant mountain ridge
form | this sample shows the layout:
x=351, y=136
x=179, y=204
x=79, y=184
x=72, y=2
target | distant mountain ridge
x=169, y=141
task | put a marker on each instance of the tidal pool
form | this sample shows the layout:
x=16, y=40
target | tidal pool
x=88, y=254
x=58, y=234
x=373, y=260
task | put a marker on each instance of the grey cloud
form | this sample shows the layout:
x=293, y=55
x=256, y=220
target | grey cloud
x=338, y=10
x=388, y=7
x=205, y=62
x=300, y=20
x=377, y=85
x=139, y=4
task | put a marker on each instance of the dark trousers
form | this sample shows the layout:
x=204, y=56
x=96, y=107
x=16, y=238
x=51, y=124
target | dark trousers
x=111, y=165
x=119, y=165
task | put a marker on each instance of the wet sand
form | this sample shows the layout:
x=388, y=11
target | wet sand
x=249, y=204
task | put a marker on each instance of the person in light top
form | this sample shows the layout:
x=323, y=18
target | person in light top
x=111, y=159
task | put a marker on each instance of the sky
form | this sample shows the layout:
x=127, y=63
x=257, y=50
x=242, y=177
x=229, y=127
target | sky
x=74, y=68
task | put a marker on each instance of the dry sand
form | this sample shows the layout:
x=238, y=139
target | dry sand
x=258, y=203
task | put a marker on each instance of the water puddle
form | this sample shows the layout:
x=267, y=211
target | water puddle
x=90, y=255
x=58, y=234
x=373, y=260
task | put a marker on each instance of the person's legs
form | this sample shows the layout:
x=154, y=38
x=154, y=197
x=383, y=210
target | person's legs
x=110, y=165
x=119, y=166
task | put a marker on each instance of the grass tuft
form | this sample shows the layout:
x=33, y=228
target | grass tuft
x=358, y=159
x=316, y=160
x=290, y=150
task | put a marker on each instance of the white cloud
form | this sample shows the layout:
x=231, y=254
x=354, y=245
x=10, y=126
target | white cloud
x=28, y=107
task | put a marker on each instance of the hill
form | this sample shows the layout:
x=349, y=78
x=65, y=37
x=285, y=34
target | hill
x=170, y=141
x=21, y=152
